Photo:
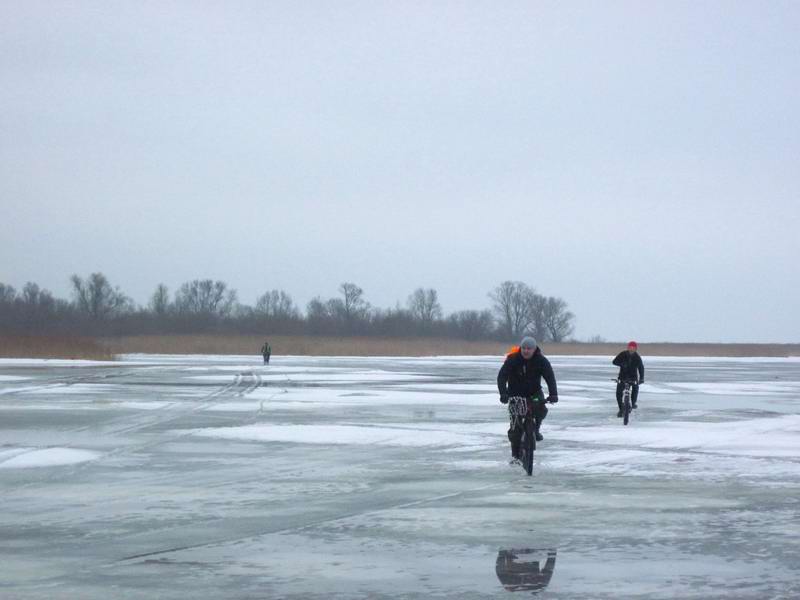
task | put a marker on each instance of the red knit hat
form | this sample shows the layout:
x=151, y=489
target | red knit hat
x=633, y=344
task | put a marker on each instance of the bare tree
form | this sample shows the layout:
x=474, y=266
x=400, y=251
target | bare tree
x=319, y=317
x=30, y=294
x=557, y=319
x=337, y=312
x=316, y=309
x=7, y=294
x=205, y=297
x=96, y=298
x=159, y=301
x=392, y=322
x=207, y=305
x=537, y=325
x=354, y=306
x=37, y=306
x=471, y=324
x=424, y=306
x=36, y=299
x=276, y=304
x=33, y=309
x=8, y=313
x=513, y=305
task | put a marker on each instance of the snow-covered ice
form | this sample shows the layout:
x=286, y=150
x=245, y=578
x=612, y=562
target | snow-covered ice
x=20, y=458
x=162, y=476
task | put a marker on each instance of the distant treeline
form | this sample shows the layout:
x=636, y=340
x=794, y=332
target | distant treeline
x=97, y=308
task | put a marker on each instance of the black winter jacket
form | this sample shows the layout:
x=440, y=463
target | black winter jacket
x=520, y=377
x=630, y=365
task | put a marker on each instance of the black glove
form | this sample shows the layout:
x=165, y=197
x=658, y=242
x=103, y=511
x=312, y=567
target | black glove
x=552, y=399
x=504, y=398
x=641, y=381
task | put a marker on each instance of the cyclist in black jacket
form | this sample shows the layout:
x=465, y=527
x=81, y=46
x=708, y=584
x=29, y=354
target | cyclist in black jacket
x=521, y=375
x=631, y=368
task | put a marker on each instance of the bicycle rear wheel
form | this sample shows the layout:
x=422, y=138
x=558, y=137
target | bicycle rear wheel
x=626, y=409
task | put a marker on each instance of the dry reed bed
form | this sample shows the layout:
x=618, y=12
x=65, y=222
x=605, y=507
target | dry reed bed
x=53, y=346
x=75, y=347
x=367, y=346
x=298, y=345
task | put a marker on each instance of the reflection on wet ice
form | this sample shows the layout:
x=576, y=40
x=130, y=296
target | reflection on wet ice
x=519, y=569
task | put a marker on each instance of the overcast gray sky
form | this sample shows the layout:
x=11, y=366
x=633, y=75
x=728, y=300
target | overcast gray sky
x=637, y=159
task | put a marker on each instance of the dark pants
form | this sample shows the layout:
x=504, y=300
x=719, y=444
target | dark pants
x=266, y=359
x=515, y=433
x=634, y=393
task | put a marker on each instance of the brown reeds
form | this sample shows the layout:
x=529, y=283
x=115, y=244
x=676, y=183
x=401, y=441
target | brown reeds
x=298, y=345
x=77, y=347
x=53, y=346
x=677, y=349
x=369, y=346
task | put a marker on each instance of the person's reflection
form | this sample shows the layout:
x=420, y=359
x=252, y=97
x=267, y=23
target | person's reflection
x=517, y=570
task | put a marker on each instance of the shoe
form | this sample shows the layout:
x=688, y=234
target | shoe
x=539, y=437
x=514, y=462
x=619, y=414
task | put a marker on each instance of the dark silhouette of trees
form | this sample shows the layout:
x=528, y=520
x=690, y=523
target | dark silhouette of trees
x=274, y=312
x=34, y=310
x=319, y=317
x=353, y=309
x=205, y=305
x=513, y=307
x=392, y=322
x=205, y=297
x=557, y=319
x=347, y=315
x=7, y=294
x=425, y=308
x=520, y=310
x=471, y=324
x=276, y=305
x=95, y=298
x=159, y=302
x=38, y=307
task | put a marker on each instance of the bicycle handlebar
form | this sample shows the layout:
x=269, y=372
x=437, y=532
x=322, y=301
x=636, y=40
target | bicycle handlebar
x=518, y=398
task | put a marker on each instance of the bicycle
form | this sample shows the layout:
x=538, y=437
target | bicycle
x=627, y=390
x=521, y=414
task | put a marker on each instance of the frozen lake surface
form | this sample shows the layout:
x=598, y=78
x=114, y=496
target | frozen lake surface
x=218, y=477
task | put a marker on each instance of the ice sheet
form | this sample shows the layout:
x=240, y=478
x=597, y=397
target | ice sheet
x=216, y=477
x=344, y=434
x=773, y=437
x=25, y=458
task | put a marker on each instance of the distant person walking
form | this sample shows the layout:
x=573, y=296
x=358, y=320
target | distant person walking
x=631, y=368
x=266, y=352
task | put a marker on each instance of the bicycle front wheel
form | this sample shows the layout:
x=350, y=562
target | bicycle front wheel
x=530, y=446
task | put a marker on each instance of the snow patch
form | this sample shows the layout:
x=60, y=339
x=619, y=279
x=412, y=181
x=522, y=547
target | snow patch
x=23, y=458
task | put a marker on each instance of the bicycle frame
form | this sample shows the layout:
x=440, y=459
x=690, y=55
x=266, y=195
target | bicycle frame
x=520, y=410
x=627, y=392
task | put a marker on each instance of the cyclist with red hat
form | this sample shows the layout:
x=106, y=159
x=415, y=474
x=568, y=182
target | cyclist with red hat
x=631, y=369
